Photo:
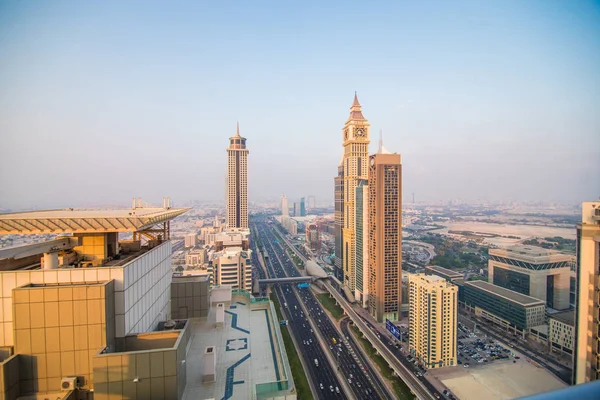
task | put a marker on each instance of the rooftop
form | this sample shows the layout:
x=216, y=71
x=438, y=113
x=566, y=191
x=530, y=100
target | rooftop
x=248, y=353
x=566, y=317
x=71, y=220
x=526, y=301
x=530, y=254
x=447, y=273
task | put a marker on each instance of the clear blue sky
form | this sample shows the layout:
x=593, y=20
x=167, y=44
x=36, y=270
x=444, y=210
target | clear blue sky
x=103, y=101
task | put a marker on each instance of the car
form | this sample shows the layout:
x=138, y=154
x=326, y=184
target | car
x=321, y=386
x=331, y=388
x=337, y=389
x=350, y=381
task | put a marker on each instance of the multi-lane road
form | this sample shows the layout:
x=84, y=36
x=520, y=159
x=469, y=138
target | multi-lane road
x=315, y=334
x=407, y=371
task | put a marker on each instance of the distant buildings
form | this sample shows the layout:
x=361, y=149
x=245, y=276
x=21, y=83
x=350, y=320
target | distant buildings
x=191, y=240
x=355, y=166
x=533, y=271
x=433, y=320
x=196, y=257
x=290, y=225
x=385, y=235
x=237, y=182
x=586, y=360
x=313, y=240
x=297, y=212
x=302, y=207
x=311, y=202
x=284, y=206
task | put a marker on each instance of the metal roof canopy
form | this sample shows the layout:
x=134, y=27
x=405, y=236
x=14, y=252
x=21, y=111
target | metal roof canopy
x=86, y=220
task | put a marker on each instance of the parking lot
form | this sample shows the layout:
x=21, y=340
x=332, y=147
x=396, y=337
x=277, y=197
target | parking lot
x=475, y=349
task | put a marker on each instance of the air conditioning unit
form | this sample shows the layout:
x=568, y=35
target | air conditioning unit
x=69, y=383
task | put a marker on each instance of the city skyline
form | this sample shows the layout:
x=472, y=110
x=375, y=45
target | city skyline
x=480, y=103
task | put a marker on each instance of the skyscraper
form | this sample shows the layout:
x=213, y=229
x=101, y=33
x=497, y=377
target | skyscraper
x=297, y=212
x=385, y=235
x=432, y=320
x=284, y=206
x=586, y=358
x=302, y=207
x=237, y=182
x=362, y=242
x=339, y=221
x=311, y=202
x=356, y=153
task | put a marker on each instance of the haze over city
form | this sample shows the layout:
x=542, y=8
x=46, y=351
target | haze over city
x=496, y=100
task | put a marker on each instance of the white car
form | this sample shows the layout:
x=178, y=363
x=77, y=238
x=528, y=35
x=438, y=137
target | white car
x=321, y=386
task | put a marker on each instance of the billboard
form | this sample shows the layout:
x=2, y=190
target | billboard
x=394, y=330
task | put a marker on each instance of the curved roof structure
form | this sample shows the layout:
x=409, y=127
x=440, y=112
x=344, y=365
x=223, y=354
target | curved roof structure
x=314, y=269
x=72, y=220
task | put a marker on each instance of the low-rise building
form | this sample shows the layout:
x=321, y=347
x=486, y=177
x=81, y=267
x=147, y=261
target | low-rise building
x=232, y=266
x=196, y=257
x=191, y=240
x=507, y=308
x=561, y=332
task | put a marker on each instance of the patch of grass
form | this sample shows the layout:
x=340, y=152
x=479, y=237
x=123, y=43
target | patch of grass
x=329, y=304
x=296, y=259
x=400, y=389
x=302, y=386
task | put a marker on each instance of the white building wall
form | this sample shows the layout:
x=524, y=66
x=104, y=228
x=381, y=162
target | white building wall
x=142, y=290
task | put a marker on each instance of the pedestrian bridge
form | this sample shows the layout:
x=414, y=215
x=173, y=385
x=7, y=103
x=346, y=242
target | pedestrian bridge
x=285, y=280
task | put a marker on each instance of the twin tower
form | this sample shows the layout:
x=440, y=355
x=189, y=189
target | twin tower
x=368, y=220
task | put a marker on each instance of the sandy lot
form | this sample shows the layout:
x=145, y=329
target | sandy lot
x=522, y=231
x=498, y=381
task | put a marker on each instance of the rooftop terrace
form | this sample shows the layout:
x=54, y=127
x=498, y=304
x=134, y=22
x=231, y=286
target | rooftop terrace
x=250, y=360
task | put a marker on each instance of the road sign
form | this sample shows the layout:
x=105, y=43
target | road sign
x=394, y=330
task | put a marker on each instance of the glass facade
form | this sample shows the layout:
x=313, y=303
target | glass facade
x=514, y=313
x=550, y=291
x=528, y=265
x=511, y=280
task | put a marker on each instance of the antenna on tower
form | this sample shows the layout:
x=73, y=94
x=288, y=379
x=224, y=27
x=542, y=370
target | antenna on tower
x=413, y=197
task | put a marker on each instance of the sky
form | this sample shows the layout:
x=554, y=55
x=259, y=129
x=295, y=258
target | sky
x=104, y=101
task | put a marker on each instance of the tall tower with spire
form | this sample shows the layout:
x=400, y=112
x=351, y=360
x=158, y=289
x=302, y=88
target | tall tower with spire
x=355, y=165
x=237, y=182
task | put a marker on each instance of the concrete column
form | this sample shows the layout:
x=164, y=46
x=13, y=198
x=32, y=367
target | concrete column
x=50, y=260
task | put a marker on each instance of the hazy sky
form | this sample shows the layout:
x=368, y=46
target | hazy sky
x=103, y=101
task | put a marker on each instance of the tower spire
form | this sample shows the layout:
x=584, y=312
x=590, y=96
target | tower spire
x=380, y=150
x=355, y=103
x=237, y=128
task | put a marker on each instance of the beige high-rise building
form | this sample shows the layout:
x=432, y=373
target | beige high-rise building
x=432, y=320
x=586, y=359
x=385, y=236
x=355, y=165
x=237, y=182
x=285, y=210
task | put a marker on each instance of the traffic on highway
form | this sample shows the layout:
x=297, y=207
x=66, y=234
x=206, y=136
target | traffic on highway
x=305, y=316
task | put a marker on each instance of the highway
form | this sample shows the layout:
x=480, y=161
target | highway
x=359, y=379
x=419, y=385
x=321, y=373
